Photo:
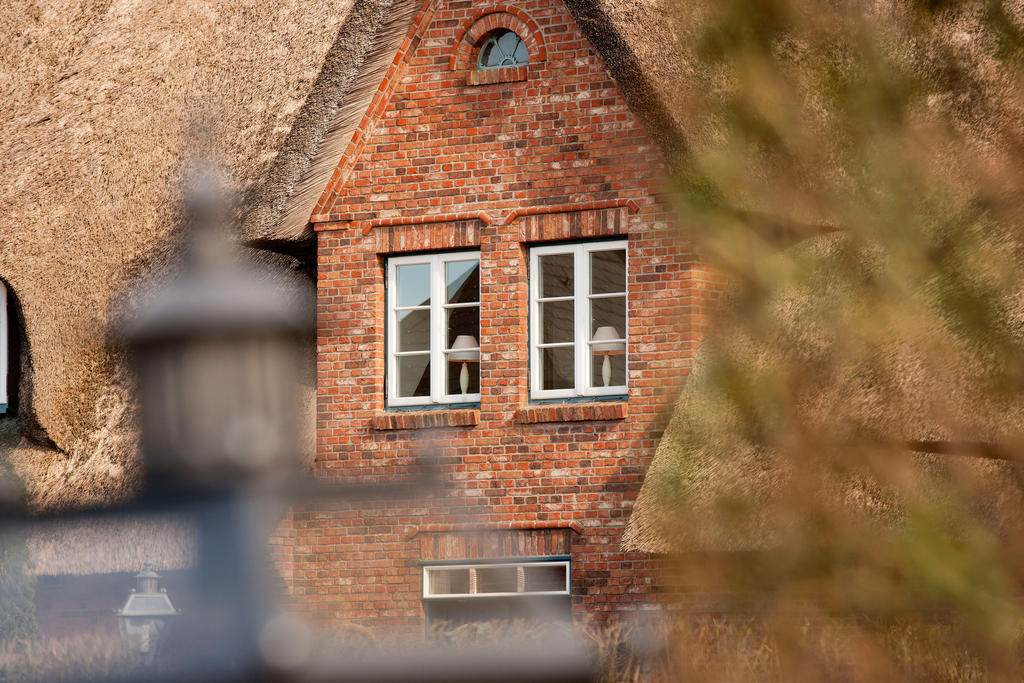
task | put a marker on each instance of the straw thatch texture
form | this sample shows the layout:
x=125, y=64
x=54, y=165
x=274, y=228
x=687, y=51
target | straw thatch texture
x=111, y=545
x=101, y=100
x=733, y=471
x=653, y=49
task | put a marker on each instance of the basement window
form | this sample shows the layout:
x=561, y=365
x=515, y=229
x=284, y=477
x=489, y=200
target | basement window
x=496, y=580
x=535, y=590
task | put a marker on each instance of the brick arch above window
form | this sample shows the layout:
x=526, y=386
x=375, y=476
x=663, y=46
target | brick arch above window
x=473, y=32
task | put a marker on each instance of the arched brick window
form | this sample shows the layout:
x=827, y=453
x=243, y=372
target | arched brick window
x=480, y=53
x=501, y=49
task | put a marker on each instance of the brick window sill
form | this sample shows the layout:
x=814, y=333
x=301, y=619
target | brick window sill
x=572, y=412
x=489, y=76
x=426, y=419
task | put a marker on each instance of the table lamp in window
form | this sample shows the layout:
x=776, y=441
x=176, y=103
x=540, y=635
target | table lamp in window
x=607, y=342
x=466, y=350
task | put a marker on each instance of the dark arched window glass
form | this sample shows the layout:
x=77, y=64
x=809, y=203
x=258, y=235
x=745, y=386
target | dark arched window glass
x=503, y=48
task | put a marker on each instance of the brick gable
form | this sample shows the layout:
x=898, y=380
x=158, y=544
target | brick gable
x=553, y=153
x=431, y=143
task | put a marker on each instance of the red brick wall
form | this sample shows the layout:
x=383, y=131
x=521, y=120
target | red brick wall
x=441, y=163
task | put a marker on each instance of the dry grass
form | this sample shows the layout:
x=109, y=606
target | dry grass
x=711, y=648
x=737, y=648
x=82, y=657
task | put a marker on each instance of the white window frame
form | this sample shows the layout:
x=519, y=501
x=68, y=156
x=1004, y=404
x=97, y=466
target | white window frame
x=438, y=305
x=4, y=360
x=427, y=595
x=581, y=315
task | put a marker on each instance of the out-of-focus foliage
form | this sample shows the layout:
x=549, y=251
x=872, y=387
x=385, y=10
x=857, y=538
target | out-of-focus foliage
x=738, y=648
x=17, y=589
x=855, y=177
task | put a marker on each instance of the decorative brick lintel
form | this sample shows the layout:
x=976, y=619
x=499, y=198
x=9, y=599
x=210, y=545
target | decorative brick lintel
x=413, y=532
x=572, y=412
x=337, y=221
x=490, y=76
x=426, y=419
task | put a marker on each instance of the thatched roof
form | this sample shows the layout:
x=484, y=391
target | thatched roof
x=101, y=106
x=111, y=545
x=770, y=427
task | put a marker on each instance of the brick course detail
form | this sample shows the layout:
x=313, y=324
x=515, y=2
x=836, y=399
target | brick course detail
x=441, y=164
x=572, y=412
x=425, y=419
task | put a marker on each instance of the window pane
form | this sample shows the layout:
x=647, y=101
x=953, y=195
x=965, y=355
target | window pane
x=414, y=330
x=462, y=321
x=544, y=578
x=462, y=280
x=521, y=56
x=414, y=375
x=557, y=368
x=448, y=581
x=608, y=271
x=507, y=43
x=616, y=367
x=556, y=275
x=496, y=580
x=413, y=284
x=556, y=322
x=454, y=384
x=609, y=312
x=489, y=55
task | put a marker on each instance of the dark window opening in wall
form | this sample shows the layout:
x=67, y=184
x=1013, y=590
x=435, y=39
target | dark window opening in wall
x=4, y=350
x=15, y=368
x=10, y=352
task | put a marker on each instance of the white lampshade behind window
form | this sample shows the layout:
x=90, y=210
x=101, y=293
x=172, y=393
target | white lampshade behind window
x=466, y=349
x=607, y=340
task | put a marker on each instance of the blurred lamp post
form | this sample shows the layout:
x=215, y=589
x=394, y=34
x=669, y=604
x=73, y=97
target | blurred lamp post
x=145, y=614
x=218, y=352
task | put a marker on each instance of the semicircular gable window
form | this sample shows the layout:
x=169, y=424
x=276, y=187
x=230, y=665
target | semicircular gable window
x=501, y=49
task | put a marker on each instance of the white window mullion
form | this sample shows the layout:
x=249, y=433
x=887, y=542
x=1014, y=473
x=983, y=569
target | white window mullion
x=581, y=315
x=438, y=296
x=392, y=336
x=3, y=344
x=534, y=286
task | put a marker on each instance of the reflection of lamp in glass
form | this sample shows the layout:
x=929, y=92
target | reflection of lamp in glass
x=607, y=342
x=465, y=349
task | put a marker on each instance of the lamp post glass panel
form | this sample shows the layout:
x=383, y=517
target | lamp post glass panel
x=145, y=614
